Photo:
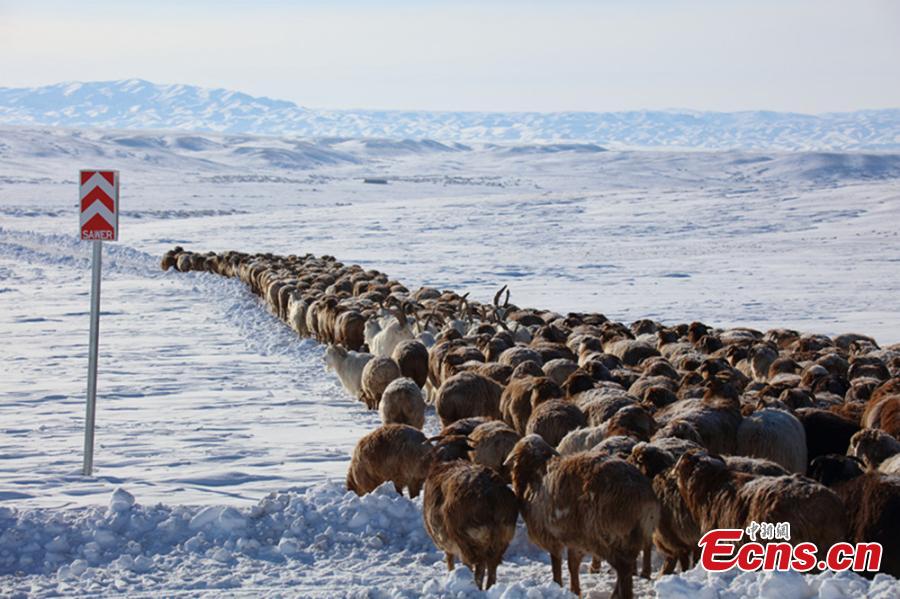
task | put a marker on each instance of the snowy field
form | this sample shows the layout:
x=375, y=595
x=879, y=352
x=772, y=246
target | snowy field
x=207, y=404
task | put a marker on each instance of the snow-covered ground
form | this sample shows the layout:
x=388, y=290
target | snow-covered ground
x=207, y=404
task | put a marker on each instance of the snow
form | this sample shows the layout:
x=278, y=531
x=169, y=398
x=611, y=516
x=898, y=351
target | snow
x=137, y=104
x=222, y=444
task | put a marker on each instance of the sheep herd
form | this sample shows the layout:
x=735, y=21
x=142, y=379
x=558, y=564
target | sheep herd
x=607, y=439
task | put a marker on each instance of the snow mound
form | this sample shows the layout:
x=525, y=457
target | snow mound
x=700, y=584
x=317, y=537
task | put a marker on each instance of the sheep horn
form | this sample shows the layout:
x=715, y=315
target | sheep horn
x=506, y=302
x=497, y=296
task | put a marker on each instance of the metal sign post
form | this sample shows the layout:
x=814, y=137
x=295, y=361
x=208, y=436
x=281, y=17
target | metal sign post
x=92, y=360
x=99, y=220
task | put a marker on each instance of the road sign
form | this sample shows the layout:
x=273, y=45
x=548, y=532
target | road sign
x=99, y=200
x=99, y=221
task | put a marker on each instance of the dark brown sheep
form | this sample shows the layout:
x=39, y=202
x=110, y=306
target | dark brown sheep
x=471, y=514
x=590, y=504
x=873, y=504
x=467, y=394
x=553, y=419
x=719, y=497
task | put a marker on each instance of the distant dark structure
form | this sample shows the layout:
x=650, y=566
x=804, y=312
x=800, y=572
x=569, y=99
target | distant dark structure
x=375, y=181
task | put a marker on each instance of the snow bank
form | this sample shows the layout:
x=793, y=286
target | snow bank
x=315, y=541
x=316, y=538
x=700, y=584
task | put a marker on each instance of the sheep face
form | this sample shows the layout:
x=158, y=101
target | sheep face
x=334, y=354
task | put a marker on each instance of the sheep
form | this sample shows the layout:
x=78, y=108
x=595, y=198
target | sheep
x=890, y=465
x=826, y=432
x=393, y=452
x=581, y=439
x=412, y=358
x=348, y=365
x=559, y=370
x=402, y=403
x=873, y=447
x=467, y=394
x=349, y=327
x=883, y=411
x=722, y=498
x=716, y=417
x=297, y=307
x=521, y=395
x=586, y=503
x=677, y=533
x=775, y=435
x=491, y=442
x=873, y=504
x=553, y=419
x=755, y=466
x=470, y=513
x=463, y=426
x=377, y=374
x=516, y=355
x=385, y=340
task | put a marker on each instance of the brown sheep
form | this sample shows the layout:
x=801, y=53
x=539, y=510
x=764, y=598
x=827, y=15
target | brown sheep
x=883, y=412
x=412, y=358
x=394, y=452
x=377, y=374
x=470, y=513
x=463, y=426
x=521, y=395
x=467, y=394
x=873, y=503
x=722, y=498
x=614, y=524
x=716, y=417
x=553, y=419
x=491, y=442
x=677, y=534
x=826, y=432
x=873, y=447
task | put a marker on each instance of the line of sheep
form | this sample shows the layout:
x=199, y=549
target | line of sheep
x=607, y=439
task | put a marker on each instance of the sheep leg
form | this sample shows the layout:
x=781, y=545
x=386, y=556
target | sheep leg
x=479, y=576
x=669, y=566
x=624, y=571
x=414, y=489
x=450, y=562
x=684, y=560
x=646, y=566
x=491, y=575
x=596, y=564
x=556, y=565
x=399, y=488
x=574, y=567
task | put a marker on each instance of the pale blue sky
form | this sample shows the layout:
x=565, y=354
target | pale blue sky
x=805, y=56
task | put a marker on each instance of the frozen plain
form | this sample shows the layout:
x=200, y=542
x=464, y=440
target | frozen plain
x=208, y=404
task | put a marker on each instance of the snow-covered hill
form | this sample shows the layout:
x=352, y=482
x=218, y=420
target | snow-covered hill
x=138, y=104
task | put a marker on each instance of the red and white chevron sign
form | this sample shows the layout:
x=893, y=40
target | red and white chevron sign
x=99, y=205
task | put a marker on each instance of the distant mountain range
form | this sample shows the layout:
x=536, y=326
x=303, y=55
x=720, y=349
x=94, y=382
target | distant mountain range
x=137, y=104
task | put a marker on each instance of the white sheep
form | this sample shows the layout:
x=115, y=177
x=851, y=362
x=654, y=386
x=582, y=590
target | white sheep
x=385, y=340
x=348, y=365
